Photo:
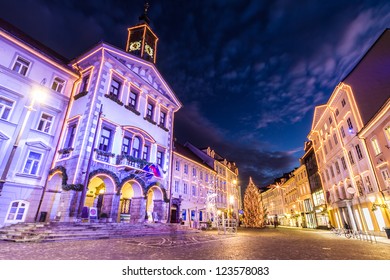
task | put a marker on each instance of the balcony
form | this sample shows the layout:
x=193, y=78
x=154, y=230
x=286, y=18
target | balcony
x=131, y=161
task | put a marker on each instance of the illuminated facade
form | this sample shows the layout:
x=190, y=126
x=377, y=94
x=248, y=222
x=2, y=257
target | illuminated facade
x=35, y=86
x=321, y=217
x=273, y=201
x=114, y=156
x=376, y=137
x=350, y=175
x=221, y=183
x=304, y=203
x=192, y=183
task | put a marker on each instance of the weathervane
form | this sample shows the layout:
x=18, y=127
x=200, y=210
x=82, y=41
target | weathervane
x=144, y=16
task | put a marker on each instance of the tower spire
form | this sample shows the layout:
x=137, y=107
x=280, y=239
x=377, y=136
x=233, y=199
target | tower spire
x=144, y=17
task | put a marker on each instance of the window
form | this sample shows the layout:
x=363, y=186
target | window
x=387, y=133
x=351, y=157
x=343, y=163
x=136, y=147
x=163, y=117
x=133, y=99
x=335, y=139
x=358, y=152
x=343, y=103
x=115, y=87
x=185, y=168
x=386, y=177
x=327, y=174
x=105, y=139
x=201, y=175
x=337, y=112
x=330, y=144
x=145, y=153
x=5, y=108
x=342, y=131
x=84, y=84
x=193, y=190
x=17, y=211
x=331, y=171
x=337, y=167
x=160, y=158
x=58, y=85
x=207, y=177
x=45, y=123
x=325, y=149
x=185, y=189
x=70, y=135
x=193, y=172
x=177, y=165
x=330, y=120
x=21, y=66
x=32, y=163
x=368, y=183
x=176, y=186
x=126, y=145
x=375, y=146
x=149, y=111
x=350, y=126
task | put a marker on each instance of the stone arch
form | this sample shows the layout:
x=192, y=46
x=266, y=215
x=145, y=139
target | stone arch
x=51, y=200
x=155, y=204
x=132, y=202
x=101, y=190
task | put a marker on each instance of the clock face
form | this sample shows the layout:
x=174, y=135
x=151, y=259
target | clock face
x=149, y=50
x=135, y=46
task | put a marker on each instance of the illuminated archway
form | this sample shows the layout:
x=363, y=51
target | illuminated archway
x=155, y=204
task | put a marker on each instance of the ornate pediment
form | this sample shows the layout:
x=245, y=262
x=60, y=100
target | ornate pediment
x=39, y=145
x=146, y=71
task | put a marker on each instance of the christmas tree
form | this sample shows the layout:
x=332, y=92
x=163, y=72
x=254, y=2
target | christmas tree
x=254, y=211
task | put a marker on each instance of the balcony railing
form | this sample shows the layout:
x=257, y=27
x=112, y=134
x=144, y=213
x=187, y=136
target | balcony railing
x=131, y=161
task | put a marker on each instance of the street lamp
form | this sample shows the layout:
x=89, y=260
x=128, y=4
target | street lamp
x=37, y=95
x=231, y=199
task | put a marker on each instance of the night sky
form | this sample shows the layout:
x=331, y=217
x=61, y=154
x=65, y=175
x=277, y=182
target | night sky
x=249, y=73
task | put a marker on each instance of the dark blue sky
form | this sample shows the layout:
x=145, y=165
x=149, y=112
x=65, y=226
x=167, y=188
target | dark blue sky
x=249, y=73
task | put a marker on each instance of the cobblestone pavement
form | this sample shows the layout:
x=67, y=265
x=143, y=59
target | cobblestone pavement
x=256, y=244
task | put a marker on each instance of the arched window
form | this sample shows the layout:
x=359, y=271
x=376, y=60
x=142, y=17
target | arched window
x=17, y=211
x=136, y=147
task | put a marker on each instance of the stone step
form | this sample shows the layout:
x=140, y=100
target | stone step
x=42, y=232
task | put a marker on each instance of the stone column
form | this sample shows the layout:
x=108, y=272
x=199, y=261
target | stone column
x=137, y=210
x=114, y=213
x=351, y=216
x=68, y=206
x=160, y=209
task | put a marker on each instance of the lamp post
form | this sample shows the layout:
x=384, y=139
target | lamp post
x=231, y=199
x=36, y=96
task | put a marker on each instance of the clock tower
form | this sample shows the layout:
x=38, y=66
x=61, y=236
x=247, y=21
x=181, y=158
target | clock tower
x=141, y=41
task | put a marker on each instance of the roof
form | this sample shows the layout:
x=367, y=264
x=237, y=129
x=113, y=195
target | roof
x=28, y=40
x=369, y=79
x=186, y=152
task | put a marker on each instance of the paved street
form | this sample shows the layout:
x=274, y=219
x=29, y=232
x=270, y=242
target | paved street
x=264, y=244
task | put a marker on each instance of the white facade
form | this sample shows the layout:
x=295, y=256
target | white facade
x=201, y=179
x=116, y=145
x=35, y=86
